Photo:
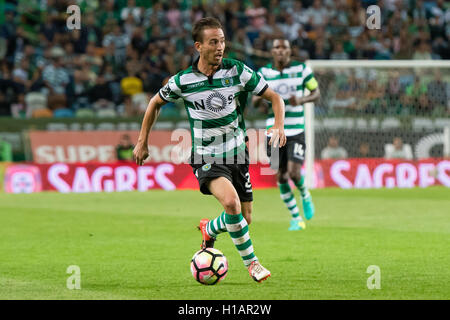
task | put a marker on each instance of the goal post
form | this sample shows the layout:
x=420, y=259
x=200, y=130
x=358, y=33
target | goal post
x=373, y=101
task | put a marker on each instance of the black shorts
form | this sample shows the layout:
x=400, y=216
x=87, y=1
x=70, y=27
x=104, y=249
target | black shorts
x=237, y=174
x=293, y=150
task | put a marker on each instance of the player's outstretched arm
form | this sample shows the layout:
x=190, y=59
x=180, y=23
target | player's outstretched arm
x=313, y=96
x=140, y=152
x=278, y=136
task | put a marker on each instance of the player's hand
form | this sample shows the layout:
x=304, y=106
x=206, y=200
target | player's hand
x=278, y=137
x=295, y=101
x=140, y=153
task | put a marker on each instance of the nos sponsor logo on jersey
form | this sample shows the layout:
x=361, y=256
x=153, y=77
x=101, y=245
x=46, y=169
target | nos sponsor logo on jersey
x=284, y=88
x=215, y=102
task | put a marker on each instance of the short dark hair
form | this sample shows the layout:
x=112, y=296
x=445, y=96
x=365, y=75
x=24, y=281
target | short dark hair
x=204, y=23
x=281, y=38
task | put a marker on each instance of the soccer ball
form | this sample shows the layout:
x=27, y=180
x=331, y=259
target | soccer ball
x=209, y=266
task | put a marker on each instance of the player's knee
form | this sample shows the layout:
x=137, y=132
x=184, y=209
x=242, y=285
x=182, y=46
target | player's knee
x=295, y=176
x=232, y=205
x=283, y=177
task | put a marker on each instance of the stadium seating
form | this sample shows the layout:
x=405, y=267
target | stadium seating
x=35, y=101
x=106, y=113
x=84, y=113
x=63, y=113
x=42, y=113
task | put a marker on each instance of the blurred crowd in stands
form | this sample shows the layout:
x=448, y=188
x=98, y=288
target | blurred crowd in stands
x=126, y=49
x=381, y=91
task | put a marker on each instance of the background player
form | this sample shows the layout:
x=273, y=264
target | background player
x=289, y=79
x=215, y=91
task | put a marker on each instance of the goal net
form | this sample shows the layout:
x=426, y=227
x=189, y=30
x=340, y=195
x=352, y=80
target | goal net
x=378, y=109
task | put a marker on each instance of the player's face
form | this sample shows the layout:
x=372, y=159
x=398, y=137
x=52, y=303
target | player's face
x=281, y=51
x=213, y=46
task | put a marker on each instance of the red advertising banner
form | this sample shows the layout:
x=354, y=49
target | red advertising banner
x=86, y=146
x=127, y=176
x=118, y=176
x=99, y=146
x=378, y=173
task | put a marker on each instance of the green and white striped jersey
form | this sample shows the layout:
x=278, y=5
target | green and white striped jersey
x=215, y=106
x=291, y=81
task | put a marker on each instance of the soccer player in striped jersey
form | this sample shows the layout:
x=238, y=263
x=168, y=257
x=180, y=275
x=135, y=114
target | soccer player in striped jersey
x=289, y=79
x=215, y=91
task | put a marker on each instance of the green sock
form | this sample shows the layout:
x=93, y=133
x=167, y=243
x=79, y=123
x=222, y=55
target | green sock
x=237, y=227
x=216, y=226
x=302, y=187
x=289, y=200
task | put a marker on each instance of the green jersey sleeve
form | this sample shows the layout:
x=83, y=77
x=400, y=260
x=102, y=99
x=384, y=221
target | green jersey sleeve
x=309, y=81
x=170, y=92
x=253, y=81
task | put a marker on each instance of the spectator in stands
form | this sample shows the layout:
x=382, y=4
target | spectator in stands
x=20, y=73
x=174, y=16
x=437, y=90
x=8, y=32
x=100, y=95
x=393, y=87
x=107, y=14
x=404, y=106
x=48, y=29
x=320, y=51
x=120, y=41
x=416, y=89
x=422, y=51
x=317, y=13
x=424, y=107
x=57, y=101
x=131, y=84
x=441, y=47
x=398, y=150
x=18, y=108
x=290, y=28
x=300, y=14
x=403, y=45
x=5, y=150
x=70, y=59
x=338, y=52
x=79, y=39
x=124, y=150
x=94, y=33
x=5, y=110
x=153, y=34
x=138, y=43
x=93, y=59
x=131, y=10
x=364, y=150
x=344, y=102
x=333, y=150
x=55, y=75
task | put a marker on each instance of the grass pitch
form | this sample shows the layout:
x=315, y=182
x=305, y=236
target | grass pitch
x=138, y=246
